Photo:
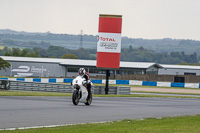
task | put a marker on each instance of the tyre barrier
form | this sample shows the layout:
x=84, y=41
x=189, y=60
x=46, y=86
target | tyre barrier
x=4, y=84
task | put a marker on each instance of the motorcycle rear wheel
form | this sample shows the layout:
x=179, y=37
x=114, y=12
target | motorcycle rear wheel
x=75, y=97
x=89, y=99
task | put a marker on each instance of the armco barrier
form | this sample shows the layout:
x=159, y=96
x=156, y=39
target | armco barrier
x=52, y=87
x=36, y=86
x=102, y=81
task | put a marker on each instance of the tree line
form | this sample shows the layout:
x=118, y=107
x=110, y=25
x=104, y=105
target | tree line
x=45, y=40
x=127, y=54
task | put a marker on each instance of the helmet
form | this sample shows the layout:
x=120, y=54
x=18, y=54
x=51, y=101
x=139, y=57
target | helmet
x=81, y=71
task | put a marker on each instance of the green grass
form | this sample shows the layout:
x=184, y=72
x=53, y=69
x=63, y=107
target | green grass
x=31, y=93
x=183, y=124
x=34, y=93
x=155, y=92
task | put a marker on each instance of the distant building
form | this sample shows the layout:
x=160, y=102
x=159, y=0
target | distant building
x=52, y=67
x=178, y=70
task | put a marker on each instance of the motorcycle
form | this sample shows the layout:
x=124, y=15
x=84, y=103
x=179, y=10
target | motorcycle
x=80, y=93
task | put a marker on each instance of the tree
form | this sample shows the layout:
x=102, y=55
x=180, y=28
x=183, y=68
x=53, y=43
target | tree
x=56, y=51
x=24, y=53
x=7, y=53
x=4, y=64
x=69, y=56
x=16, y=52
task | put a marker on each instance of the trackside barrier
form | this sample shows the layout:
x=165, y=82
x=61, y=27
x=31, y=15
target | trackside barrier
x=35, y=86
x=51, y=87
x=103, y=81
x=164, y=84
x=4, y=84
x=192, y=85
x=120, y=90
x=149, y=83
x=177, y=84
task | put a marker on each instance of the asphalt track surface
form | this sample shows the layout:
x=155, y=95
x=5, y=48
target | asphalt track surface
x=16, y=111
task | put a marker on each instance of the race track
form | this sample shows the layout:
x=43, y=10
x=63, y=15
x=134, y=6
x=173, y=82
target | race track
x=18, y=111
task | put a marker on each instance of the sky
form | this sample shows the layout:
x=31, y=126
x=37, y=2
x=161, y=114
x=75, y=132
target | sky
x=148, y=19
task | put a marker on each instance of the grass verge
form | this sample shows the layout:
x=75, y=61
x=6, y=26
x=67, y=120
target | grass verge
x=33, y=93
x=183, y=124
x=155, y=92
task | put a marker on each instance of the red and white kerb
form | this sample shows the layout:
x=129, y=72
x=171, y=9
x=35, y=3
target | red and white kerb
x=109, y=41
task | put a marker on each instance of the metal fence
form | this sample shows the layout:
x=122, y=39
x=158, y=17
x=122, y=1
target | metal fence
x=52, y=87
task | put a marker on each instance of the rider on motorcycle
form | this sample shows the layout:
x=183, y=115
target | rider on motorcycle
x=83, y=73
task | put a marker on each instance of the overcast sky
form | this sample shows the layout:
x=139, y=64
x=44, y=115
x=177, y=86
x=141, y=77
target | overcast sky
x=148, y=19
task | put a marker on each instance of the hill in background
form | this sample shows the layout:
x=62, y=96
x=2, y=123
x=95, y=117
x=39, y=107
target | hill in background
x=11, y=38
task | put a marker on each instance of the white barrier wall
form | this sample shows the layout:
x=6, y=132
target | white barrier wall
x=164, y=84
x=191, y=85
x=135, y=82
x=100, y=81
x=43, y=80
x=110, y=81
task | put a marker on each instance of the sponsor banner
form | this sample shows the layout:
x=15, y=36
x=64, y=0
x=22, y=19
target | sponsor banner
x=28, y=79
x=123, y=82
x=110, y=24
x=59, y=80
x=52, y=80
x=36, y=79
x=164, y=84
x=12, y=79
x=44, y=80
x=20, y=79
x=135, y=82
x=110, y=81
x=191, y=85
x=149, y=83
x=109, y=42
x=68, y=80
x=108, y=60
x=96, y=81
x=173, y=84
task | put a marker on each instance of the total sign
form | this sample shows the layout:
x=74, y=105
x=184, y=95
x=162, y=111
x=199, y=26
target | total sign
x=109, y=41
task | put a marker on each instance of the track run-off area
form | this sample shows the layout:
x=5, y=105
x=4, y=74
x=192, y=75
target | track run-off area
x=33, y=111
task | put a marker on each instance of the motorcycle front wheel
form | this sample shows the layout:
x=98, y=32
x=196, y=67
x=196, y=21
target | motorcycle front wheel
x=75, y=97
